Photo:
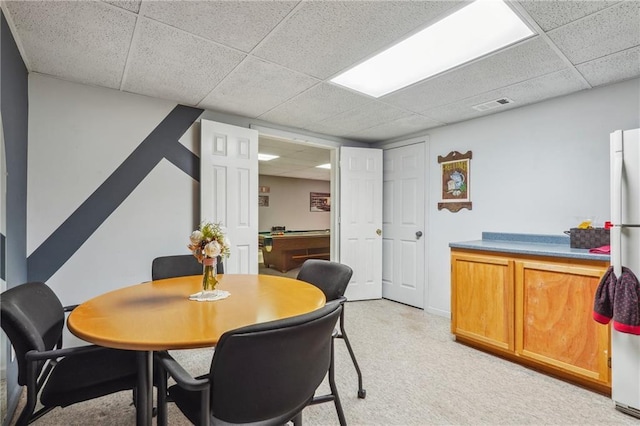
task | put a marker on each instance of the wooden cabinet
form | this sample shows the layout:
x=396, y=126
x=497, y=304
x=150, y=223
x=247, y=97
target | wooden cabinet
x=554, y=305
x=482, y=299
x=534, y=310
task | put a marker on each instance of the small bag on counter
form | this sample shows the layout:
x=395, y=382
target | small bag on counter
x=588, y=238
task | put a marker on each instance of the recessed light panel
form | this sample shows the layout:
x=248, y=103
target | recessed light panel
x=266, y=157
x=478, y=29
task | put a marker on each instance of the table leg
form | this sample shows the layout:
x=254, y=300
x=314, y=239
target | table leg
x=144, y=395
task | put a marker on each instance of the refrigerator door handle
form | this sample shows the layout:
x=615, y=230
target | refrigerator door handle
x=616, y=249
x=616, y=188
x=617, y=155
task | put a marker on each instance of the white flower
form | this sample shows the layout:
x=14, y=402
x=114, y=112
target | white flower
x=227, y=242
x=212, y=249
x=196, y=237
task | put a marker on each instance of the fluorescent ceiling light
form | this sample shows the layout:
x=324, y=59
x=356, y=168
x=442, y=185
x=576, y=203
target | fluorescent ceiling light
x=324, y=166
x=266, y=157
x=473, y=31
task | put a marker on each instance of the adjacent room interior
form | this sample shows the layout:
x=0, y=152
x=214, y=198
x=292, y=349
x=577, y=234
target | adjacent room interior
x=294, y=205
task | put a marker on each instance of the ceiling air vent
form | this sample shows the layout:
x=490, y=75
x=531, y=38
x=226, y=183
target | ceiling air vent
x=492, y=104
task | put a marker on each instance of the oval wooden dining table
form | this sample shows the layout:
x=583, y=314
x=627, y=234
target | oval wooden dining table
x=158, y=315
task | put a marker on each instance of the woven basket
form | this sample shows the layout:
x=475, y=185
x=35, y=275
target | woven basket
x=588, y=238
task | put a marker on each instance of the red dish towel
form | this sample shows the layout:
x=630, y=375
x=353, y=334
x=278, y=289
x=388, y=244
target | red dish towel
x=603, y=301
x=626, y=303
x=618, y=299
x=601, y=250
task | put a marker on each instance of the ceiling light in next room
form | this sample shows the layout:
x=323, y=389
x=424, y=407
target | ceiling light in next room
x=476, y=30
x=267, y=157
x=324, y=166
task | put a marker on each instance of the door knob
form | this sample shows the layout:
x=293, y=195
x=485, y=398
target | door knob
x=379, y=231
x=418, y=235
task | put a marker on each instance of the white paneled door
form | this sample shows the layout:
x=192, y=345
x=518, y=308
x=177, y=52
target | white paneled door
x=229, y=189
x=403, y=245
x=361, y=220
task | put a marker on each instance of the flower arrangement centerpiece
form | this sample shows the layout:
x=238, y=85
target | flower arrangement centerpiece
x=207, y=243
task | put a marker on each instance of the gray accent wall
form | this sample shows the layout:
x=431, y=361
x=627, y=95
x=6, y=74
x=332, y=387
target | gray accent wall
x=14, y=105
x=15, y=112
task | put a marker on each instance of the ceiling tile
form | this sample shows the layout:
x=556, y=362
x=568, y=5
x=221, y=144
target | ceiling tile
x=322, y=38
x=255, y=87
x=548, y=86
x=313, y=155
x=403, y=126
x=316, y=104
x=524, y=61
x=54, y=33
x=612, y=68
x=363, y=117
x=280, y=148
x=313, y=174
x=163, y=64
x=291, y=163
x=554, y=14
x=609, y=31
x=130, y=5
x=239, y=24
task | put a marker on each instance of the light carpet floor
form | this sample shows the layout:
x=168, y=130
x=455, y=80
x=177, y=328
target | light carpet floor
x=414, y=374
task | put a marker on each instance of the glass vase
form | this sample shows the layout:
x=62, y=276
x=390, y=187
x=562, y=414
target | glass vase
x=209, y=274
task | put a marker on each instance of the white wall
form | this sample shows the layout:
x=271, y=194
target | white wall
x=289, y=204
x=535, y=169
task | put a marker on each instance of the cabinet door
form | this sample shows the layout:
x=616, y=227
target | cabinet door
x=482, y=299
x=554, y=325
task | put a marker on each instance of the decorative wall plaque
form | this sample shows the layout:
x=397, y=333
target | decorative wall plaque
x=454, y=172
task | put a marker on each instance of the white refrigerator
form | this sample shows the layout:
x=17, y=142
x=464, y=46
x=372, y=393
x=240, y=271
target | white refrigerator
x=625, y=251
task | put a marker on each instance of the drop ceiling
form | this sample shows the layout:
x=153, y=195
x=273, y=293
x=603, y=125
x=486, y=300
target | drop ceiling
x=272, y=60
x=294, y=160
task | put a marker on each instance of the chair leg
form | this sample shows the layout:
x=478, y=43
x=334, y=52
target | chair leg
x=25, y=415
x=297, y=420
x=362, y=393
x=334, y=390
x=32, y=395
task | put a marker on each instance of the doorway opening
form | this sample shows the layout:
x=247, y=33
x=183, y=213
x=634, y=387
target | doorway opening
x=296, y=204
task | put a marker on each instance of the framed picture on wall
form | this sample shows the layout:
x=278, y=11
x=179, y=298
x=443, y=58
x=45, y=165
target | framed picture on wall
x=320, y=202
x=455, y=181
x=263, y=201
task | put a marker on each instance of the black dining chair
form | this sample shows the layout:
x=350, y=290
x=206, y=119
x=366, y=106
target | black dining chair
x=262, y=374
x=33, y=319
x=181, y=265
x=332, y=278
